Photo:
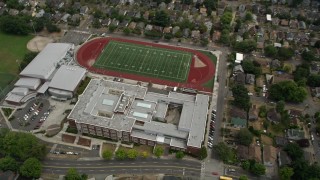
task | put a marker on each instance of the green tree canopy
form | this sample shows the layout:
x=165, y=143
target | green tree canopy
x=225, y=37
x=241, y=97
x=161, y=18
x=313, y=80
x=180, y=155
x=21, y=146
x=73, y=174
x=309, y=56
x=243, y=177
x=8, y=163
x=258, y=169
x=248, y=16
x=31, y=168
x=285, y=173
x=271, y=51
x=132, y=154
x=302, y=72
x=225, y=153
x=294, y=151
x=287, y=91
x=14, y=25
x=203, y=153
x=245, y=46
x=210, y=5
x=244, y=137
x=158, y=151
x=280, y=106
x=121, y=154
x=250, y=67
x=107, y=154
x=285, y=53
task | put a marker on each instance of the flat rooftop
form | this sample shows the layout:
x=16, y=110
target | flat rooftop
x=100, y=102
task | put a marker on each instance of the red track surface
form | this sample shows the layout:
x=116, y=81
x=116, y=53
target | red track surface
x=90, y=51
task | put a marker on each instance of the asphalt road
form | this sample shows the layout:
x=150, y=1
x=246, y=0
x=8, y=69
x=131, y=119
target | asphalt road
x=143, y=166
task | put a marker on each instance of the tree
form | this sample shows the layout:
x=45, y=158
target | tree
x=248, y=16
x=203, y=153
x=251, y=68
x=96, y=23
x=14, y=25
x=161, y=18
x=245, y=165
x=302, y=72
x=226, y=19
x=244, y=137
x=243, y=177
x=204, y=41
x=225, y=153
x=285, y=53
x=31, y=168
x=22, y=146
x=107, y=154
x=180, y=155
x=263, y=111
x=308, y=56
x=121, y=154
x=241, y=97
x=158, y=151
x=132, y=154
x=271, y=51
x=126, y=31
x=112, y=28
x=285, y=173
x=73, y=174
x=8, y=163
x=210, y=5
x=313, y=80
x=168, y=36
x=225, y=37
x=287, y=91
x=203, y=28
x=52, y=28
x=258, y=169
x=294, y=151
x=246, y=46
x=144, y=154
x=280, y=106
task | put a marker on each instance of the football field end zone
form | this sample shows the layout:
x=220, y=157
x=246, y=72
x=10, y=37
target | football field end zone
x=145, y=60
x=84, y=55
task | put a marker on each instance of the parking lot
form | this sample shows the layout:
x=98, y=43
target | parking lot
x=32, y=115
x=212, y=129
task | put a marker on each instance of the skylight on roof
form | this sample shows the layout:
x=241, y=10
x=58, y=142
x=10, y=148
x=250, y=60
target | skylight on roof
x=107, y=102
x=140, y=115
x=144, y=105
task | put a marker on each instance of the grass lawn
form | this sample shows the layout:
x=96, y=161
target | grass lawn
x=210, y=83
x=107, y=146
x=12, y=50
x=145, y=60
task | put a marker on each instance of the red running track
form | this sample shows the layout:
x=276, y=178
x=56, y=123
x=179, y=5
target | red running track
x=90, y=51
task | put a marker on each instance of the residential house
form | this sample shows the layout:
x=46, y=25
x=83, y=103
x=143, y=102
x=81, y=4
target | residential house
x=302, y=25
x=239, y=58
x=250, y=78
x=283, y=159
x=315, y=67
x=175, y=29
x=115, y=22
x=284, y=22
x=106, y=22
x=146, y=15
x=242, y=8
x=295, y=113
x=273, y=116
x=269, y=155
x=195, y=34
x=295, y=134
x=132, y=25
x=65, y=18
x=240, y=78
x=253, y=114
x=275, y=64
x=281, y=141
x=203, y=11
x=289, y=36
x=141, y=25
x=75, y=18
x=209, y=25
x=131, y=14
x=238, y=113
x=76, y=6
x=122, y=12
x=40, y=13
x=216, y=36
x=57, y=17
x=294, y=24
x=157, y=28
x=251, y=152
x=275, y=21
x=123, y=24
x=162, y=6
x=269, y=79
x=238, y=122
x=281, y=35
x=186, y=32
x=138, y=15
x=238, y=68
x=13, y=12
x=149, y=27
x=84, y=10
x=167, y=30
x=280, y=77
x=260, y=45
x=316, y=92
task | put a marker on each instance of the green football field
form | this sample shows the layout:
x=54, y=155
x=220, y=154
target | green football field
x=145, y=60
